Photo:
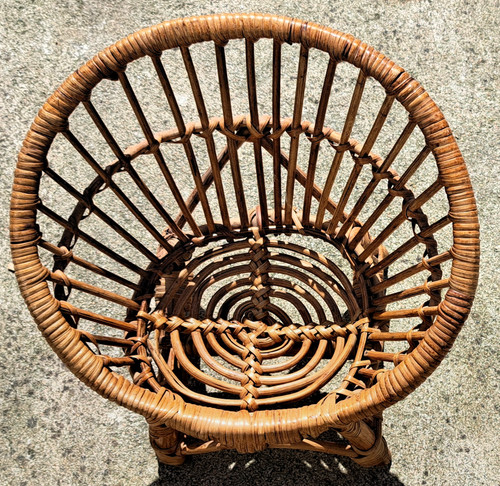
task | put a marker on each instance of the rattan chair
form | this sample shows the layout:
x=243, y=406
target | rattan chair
x=274, y=278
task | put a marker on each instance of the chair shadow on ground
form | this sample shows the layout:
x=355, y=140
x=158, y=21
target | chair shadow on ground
x=273, y=467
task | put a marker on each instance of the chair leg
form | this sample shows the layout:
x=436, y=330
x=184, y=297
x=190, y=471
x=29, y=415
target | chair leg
x=368, y=442
x=165, y=442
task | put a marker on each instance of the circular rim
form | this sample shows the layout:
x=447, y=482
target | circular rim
x=270, y=426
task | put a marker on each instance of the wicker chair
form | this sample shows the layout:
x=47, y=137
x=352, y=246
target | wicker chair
x=297, y=292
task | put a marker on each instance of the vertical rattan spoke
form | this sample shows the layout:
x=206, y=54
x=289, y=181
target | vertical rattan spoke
x=296, y=130
x=186, y=142
x=400, y=218
x=254, y=118
x=425, y=265
x=395, y=336
x=348, y=380
x=408, y=245
x=67, y=308
x=360, y=161
x=378, y=174
x=276, y=151
x=118, y=192
x=126, y=164
x=231, y=142
x=403, y=313
x=61, y=278
x=300, y=175
x=106, y=340
x=89, y=204
x=156, y=151
x=103, y=129
x=155, y=202
x=65, y=254
x=207, y=179
x=426, y=288
x=342, y=147
x=207, y=134
x=316, y=139
x=90, y=240
x=397, y=189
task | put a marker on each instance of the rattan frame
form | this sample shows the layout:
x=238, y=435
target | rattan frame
x=243, y=430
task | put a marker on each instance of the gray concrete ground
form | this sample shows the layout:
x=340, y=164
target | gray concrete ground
x=56, y=431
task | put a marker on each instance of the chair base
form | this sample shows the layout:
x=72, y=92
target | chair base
x=363, y=443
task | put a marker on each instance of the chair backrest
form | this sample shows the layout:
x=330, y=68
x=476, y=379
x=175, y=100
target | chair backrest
x=254, y=141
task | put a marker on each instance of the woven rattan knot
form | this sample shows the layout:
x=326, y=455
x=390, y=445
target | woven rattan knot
x=153, y=148
x=230, y=130
x=360, y=161
x=403, y=193
x=419, y=237
x=143, y=377
x=255, y=133
x=378, y=176
x=222, y=325
x=207, y=131
x=425, y=264
x=317, y=138
x=284, y=126
x=66, y=280
x=257, y=244
x=252, y=358
x=260, y=295
x=410, y=213
x=421, y=313
x=138, y=343
x=410, y=337
x=426, y=288
x=89, y=337
x=342, y=147
x=66, y=254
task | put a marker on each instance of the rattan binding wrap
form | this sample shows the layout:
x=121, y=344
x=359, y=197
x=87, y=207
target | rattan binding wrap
x=252, y=248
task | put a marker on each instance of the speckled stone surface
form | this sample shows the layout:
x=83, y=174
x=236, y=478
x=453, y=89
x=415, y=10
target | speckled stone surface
x=56, y=431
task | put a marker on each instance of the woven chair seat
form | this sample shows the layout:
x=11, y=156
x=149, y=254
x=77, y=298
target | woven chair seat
x=261, y=272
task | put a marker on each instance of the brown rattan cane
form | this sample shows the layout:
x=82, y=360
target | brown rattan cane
x=245, y=313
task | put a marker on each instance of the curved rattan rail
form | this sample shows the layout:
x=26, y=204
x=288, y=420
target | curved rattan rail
x=171, y=407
